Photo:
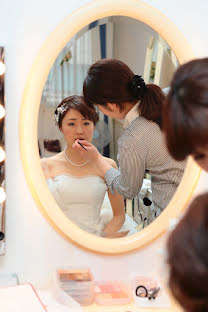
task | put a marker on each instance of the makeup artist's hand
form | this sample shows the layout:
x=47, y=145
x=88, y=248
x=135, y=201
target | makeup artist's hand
x=93, y=155
x=88, y=150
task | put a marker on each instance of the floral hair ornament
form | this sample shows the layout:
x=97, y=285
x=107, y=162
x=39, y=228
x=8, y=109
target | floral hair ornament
x=59, y=111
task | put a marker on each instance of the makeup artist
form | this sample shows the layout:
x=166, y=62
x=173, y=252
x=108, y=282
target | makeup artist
x=118, y=93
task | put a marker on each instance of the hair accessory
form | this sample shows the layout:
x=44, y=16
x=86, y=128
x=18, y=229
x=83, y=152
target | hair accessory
x=138, y=86
x=73, y=164
x=59, y=111
x=149, y=293
x=143, y=293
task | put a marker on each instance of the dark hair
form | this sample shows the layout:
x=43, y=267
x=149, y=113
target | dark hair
x=112, y=81
x=185, y=113
x=187, y=248
x=75, y=102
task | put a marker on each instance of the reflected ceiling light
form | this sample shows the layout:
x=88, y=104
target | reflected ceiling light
x=2, y=195
x=2, y=111
x=2, y=154
x=2, y=68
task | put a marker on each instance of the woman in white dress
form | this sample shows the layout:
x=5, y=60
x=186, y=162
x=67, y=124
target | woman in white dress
x=76, y=183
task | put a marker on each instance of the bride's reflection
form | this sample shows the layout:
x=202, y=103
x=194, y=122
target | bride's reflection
x=76, y=183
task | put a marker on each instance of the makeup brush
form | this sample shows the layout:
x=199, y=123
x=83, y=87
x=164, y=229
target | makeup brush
x=81, y=145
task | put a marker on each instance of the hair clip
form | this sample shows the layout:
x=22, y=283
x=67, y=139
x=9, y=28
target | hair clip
x=143, y=293
x=149, y=293
x=152, y=292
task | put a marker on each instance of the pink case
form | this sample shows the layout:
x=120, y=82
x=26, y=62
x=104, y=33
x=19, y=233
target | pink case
x=112, y=292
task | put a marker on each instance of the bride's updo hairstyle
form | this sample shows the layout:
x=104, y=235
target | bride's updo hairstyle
x=112, y=81
x=78, y=103
x=187, y=251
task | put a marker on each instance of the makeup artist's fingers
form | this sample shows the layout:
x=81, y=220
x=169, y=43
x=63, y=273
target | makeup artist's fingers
x=86, y=143
x=90, y=150
x=78, y=148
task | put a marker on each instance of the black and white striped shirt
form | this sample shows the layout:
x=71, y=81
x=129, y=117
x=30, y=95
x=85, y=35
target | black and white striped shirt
x=142, y=147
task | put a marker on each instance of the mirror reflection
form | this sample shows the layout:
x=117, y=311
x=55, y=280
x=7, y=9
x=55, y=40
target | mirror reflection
x=76, y=184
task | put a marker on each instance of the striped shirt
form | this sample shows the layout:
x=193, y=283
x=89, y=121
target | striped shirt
x=142, y=147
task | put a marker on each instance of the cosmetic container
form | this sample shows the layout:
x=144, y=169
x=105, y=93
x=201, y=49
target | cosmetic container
x=112, y=292
x=77, y=282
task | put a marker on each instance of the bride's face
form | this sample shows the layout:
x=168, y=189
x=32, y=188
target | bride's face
x=76, y=126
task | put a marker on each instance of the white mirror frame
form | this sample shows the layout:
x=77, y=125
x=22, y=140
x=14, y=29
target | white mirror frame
x=28, y=122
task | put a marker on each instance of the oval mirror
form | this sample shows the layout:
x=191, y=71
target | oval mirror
x=63, y=62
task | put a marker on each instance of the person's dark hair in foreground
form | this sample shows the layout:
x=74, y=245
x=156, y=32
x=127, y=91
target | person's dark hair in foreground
x=185, y=113
x=187, y=249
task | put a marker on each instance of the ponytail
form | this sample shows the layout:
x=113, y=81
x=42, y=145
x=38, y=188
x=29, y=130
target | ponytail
x=151, y=104
x=151, y=99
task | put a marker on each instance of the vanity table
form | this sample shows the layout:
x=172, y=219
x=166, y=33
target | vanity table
x=25, y=296
x=127, y=308
x=46, y=298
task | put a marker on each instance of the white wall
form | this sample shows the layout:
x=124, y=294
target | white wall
x=131, y=39
x=33, y=247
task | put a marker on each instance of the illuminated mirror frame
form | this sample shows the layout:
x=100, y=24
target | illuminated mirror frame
x=29, y=120
x=2, y=153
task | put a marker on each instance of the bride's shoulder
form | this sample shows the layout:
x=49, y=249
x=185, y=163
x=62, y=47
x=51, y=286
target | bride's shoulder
x=111, y=162
x=47, y=163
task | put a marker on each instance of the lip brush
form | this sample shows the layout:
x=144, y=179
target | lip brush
x=82, y=146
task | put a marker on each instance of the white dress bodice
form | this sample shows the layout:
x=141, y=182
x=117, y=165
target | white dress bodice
x=80, y=198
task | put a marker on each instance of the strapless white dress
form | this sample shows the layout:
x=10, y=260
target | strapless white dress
x=81, y=200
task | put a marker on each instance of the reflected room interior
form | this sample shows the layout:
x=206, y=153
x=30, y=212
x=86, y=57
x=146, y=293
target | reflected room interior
x=110, y=37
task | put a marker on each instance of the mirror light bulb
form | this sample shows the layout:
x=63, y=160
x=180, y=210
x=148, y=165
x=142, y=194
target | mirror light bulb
x=2, y=154
x=2, y=68
x=2, y=111
x=2, y=195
